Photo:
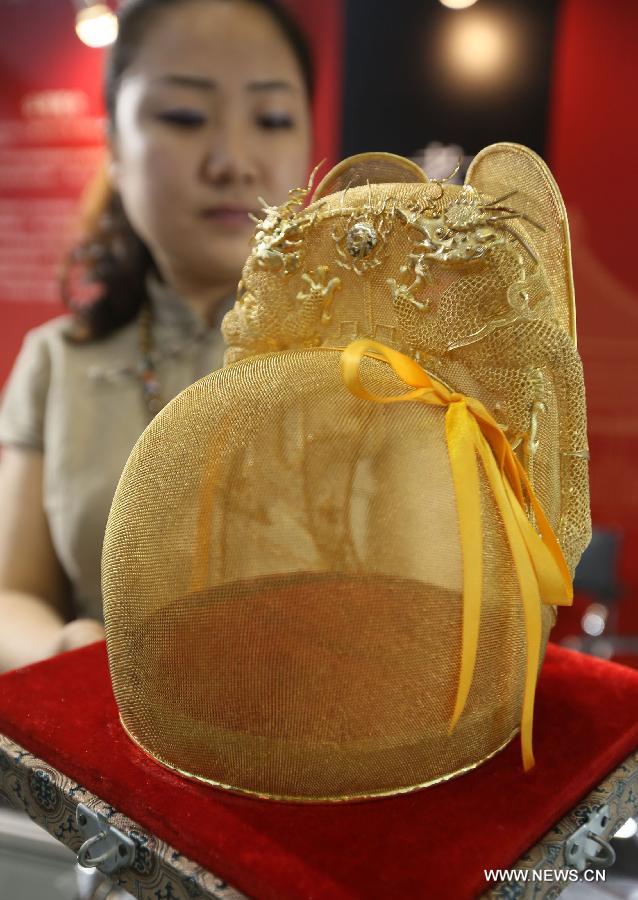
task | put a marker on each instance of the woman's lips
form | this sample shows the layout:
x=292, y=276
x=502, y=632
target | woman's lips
x=228, y=216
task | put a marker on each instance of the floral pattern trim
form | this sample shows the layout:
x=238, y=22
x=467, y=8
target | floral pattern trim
x=619, y=791
x=159, y=871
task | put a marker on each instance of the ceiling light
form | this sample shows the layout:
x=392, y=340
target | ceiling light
x=96, y=25
x=480, y=51
x=458, y=4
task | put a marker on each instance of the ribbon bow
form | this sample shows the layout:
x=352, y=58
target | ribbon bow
x=541, y=569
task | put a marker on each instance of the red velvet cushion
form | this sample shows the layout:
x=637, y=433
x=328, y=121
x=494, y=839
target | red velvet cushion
x=432, y=843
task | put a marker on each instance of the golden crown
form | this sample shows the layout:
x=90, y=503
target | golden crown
x=318, y=583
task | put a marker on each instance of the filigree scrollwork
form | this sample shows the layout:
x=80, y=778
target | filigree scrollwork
x=458, y=281
x=404, y=293
x=321, y=290
x=278, y=244
x=539, y=406
x=278, y=236
x=464, y=231
x=262, y=324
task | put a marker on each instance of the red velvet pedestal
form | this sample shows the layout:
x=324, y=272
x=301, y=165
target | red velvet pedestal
x=434, y=843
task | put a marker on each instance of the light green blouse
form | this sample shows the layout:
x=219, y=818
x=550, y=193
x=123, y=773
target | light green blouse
x=83, y=407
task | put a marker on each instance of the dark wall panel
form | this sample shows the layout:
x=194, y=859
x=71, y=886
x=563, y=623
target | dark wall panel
x=408, y=76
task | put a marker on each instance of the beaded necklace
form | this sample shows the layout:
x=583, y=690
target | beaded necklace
x=146, y=367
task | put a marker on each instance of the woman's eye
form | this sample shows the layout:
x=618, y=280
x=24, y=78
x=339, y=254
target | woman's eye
x=182, y=118
x=275, y=120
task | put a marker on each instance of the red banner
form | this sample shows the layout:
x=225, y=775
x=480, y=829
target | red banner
x=51, y=140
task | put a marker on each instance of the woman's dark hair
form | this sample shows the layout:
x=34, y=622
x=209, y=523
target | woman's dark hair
x=103, y=279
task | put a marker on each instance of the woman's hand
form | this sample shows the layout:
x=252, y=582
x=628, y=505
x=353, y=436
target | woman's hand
x=78, y=633
x=33, y=591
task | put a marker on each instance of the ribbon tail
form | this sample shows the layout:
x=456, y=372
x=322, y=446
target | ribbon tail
x=553, y=579
x=461, y=438
x=540, y=566
x=535, y=578
x=514, y=528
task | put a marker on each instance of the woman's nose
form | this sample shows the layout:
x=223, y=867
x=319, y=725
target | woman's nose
x=229, y=158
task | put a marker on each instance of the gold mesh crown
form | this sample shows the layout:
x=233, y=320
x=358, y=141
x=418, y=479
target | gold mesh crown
x=330, y=567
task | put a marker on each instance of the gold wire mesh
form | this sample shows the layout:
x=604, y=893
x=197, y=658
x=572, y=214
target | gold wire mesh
x=282, y=583
x=282, y=567
x=499, y=328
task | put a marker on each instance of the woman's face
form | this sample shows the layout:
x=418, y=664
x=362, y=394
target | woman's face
x=211, y=115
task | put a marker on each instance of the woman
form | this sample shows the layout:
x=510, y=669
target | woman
x=208, y=109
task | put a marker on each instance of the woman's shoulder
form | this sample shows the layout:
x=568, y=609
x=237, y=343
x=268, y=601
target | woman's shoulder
x=25, y=393
x=51, y=362
x=58, y=335
x=50, y=332
x=33, y=361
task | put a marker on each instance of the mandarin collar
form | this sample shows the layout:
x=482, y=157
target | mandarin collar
x=176, y=329
x=172, y=314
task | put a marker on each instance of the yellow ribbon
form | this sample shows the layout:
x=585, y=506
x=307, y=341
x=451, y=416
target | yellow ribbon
x=541, y=569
